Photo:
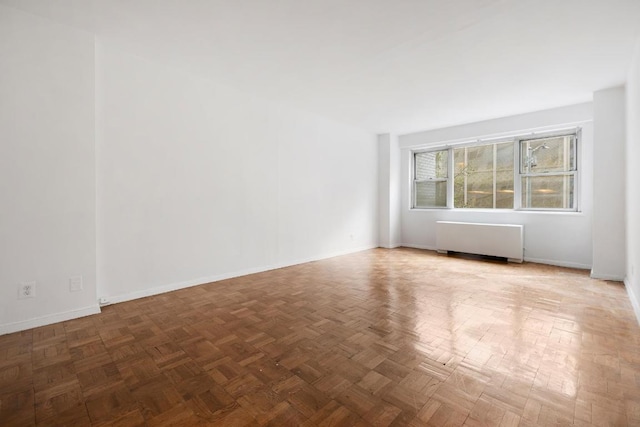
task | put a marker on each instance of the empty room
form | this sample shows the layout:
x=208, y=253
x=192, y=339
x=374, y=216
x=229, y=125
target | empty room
x=319, y=213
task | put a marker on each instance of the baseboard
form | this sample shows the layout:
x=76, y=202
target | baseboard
x=114, y=299
x=527, y=259
x=320, y=257
x=635, y=303
x=557, y=263
x=413, y=246
x=48, y=320
x=611, y=277
x=393, y=246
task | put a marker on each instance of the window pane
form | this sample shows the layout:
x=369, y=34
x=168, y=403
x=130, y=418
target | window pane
x=473, y=183
x=550, y=192
x=504, y=176
x=431, y=165
x=480, y=159
x=431, y=194
x=504, y=188
x=543, y=155
x=480, y=189
x=459, y=178
x=475, y=172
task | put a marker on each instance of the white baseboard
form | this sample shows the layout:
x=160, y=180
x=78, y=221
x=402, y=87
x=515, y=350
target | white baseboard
x=635, y=303
x=114, y=299
x=411, y=245
x=611, y=277
x=320, y=257
x=528, y=259
x=392, y=246
x=48, y=320
x=557, y=263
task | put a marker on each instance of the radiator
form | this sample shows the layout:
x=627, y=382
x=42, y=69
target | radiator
x=500, y=240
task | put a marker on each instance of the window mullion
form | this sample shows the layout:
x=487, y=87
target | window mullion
x=450, y=178
x=464, y=175
x=495, y=174
x=517, y=175
x=565, y=181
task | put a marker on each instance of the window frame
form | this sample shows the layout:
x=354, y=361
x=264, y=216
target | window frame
x=434, y=179
x=576, y=133
x=494, y=142
x=518, y=176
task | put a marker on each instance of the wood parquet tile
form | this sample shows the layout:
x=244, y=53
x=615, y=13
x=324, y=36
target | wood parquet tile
x=378, y=338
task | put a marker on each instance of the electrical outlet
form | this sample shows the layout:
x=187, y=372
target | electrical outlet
x=27, y=290
x=75, y=284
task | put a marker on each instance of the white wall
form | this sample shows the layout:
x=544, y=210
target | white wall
x=389, y=191
x=551, y=238
x=609, y=184
x=47, y=170
x=197, y=182
x=632, y=280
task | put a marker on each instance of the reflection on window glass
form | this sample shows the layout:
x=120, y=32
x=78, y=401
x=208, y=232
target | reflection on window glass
x=548, y=155
x=548, y=192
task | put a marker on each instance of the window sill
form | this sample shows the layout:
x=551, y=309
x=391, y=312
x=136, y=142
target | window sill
x=501, y=211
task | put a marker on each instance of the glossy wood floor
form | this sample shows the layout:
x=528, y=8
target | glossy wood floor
x=381, y=337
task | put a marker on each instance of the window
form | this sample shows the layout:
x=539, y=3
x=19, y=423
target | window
x=430, y=179
x=529, y=172
x=548, y=171
x=484, y=176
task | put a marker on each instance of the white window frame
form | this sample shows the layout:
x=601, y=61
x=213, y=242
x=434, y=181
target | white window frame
x=495, y=143
x=415, y=181
x=518, y=175
x=576, y=133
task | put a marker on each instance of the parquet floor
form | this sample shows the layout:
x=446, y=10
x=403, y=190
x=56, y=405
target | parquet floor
x=381, y=337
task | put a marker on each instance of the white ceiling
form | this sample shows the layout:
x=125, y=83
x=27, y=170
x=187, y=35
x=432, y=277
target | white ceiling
x=384, y=65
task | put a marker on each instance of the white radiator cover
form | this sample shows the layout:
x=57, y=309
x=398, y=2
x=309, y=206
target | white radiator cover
x=500, y=240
